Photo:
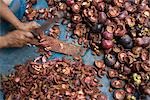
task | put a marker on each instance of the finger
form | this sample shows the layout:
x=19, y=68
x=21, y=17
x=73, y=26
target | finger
x=28, y=34
x=34, y=41
x=17, y=43
x=35, y=25
x=27, y=40
x=24, y=42
x=20, y=44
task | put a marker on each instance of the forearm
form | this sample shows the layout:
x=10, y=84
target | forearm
x=8, y=15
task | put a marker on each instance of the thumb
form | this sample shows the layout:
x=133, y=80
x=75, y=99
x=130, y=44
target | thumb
x=35, y=24
x=28, y=34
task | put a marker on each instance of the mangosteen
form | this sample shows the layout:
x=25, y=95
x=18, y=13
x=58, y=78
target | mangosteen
x=119, y=94
x=97, y=27
x=110, y=59
x=126, y=41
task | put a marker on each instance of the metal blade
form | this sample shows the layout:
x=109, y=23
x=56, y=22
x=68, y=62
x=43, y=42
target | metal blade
x=57, y=45
x=48, y=23
x=64, y=48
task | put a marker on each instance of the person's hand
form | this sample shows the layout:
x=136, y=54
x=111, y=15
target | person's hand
x=16, y=38
x=28, y=26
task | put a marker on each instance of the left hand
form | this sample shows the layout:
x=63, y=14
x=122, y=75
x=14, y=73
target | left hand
x=28, y=26
x=16, y=38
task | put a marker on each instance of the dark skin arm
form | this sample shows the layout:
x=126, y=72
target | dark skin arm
x=16, y=38
x=21, y=35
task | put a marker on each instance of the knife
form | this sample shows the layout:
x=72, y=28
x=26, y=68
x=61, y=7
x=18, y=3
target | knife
x=47, y=24
x=56, y=45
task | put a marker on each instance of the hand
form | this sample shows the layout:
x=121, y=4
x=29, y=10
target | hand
x=16, y=38
x=28, y=26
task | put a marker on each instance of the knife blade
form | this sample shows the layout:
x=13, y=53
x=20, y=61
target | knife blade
x=63, y=47
x=47, y=24
x=55, y=44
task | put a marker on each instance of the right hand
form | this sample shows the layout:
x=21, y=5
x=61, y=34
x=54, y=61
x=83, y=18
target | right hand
x=17, y=38
x=28, y=26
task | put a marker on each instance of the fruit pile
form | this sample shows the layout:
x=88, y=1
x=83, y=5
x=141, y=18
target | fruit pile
x=118, y=28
